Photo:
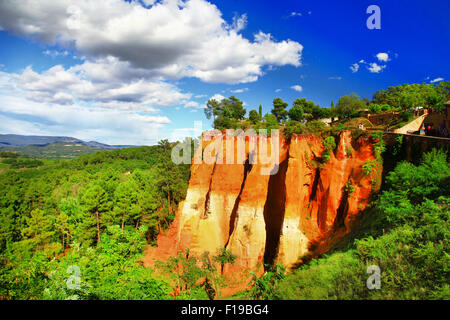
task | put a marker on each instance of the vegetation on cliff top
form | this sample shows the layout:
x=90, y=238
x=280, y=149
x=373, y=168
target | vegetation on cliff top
x=229, y=113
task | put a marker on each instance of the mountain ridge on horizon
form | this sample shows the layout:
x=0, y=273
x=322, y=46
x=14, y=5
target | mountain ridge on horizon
x=17, y=140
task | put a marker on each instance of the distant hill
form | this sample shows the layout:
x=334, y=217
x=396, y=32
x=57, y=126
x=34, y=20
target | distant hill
x=47, y=147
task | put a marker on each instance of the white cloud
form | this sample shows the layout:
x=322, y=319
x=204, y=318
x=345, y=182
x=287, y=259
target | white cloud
x=354, y=67
x=218, y=97
x=108, y=83
x=148, y=2
x=335, y=78
x=297, y=88
x=240, y=90
x=55, y=53
x=194, y=104
x=383, y=57
x=171, y=39
x=296, y=14
x=82, y=120
x=239, y=22
x=277, y=90
x=437, y=80
x=375, y=68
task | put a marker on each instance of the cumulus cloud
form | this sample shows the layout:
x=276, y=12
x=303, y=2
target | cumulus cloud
x=297, y=88
x=437, y=80
x=55, y=53
x=277, y=90
x=107, y=83
x=85, y=121
x=375, y=68
x=335, y=78
x=172, y=38
x=354, y=67
x=194, y=105
x=383, y=57
x=218, y=97
x=239, y=90
x=239, y=22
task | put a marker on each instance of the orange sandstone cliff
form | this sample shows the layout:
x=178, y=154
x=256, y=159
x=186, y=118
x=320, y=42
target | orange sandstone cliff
x=278, y=218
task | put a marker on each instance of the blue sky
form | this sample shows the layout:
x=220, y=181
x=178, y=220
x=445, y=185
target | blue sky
x=143, y=70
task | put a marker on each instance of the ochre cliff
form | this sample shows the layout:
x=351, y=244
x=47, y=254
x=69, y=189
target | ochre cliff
x=278, y=218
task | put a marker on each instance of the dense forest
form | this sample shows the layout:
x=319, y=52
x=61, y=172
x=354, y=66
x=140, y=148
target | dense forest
x=96, y=212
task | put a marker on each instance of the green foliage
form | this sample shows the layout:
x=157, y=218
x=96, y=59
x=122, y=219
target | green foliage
x=349, y=106
x=380, y=108
x=224, y=256
x=279, y=109
x=15, y=163
x=8, y=154
x=53, y=216
x=329, y=143
x=269, y=122
x=266, y=286
x=254, y=116
x=407, y=96
x=313, y=127
x=196, y=277
x=311, y=111
x=340, y=276
x=296, y=113
x=226, y=113
x=349, y=187
x=369, y=167
x=109, y=271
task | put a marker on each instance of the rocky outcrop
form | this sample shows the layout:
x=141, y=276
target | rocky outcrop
x=277, y=218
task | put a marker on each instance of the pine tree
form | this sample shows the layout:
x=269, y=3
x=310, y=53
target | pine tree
x=279, y=109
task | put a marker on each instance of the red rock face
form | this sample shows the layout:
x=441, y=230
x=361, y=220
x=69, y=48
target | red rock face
x=272, y=218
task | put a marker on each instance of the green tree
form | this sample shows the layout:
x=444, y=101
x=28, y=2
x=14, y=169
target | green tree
x=279, y=109
x=436, y=100
x=226, y=112
x=38, y=229
x=126, y=206
x=349, y=105
x=96, y=202
x=223, y=257
x=265, y=287
x=254, y=117
x=296, y=113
